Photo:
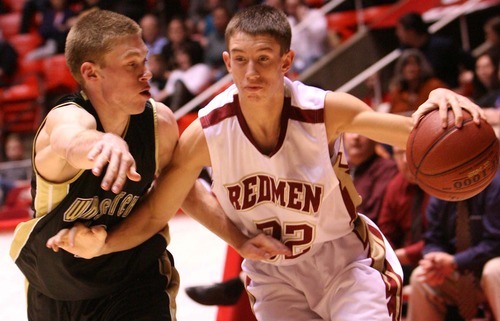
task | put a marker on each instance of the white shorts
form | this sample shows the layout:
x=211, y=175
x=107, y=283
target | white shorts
x=340, y=282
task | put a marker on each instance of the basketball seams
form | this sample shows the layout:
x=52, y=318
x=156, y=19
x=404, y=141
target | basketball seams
x=453, y=163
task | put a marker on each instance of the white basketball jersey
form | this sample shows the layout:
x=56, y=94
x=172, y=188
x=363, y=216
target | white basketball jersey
x=300, y=193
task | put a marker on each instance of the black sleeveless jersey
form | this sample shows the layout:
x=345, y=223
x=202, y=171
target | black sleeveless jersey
x=61, y=275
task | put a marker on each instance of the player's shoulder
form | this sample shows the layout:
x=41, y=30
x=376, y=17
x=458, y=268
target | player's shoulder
x=305, y=96
x=164, y=114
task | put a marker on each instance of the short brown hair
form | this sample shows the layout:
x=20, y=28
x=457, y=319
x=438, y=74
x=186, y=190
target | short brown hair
x=94, y=35
x=261, y=20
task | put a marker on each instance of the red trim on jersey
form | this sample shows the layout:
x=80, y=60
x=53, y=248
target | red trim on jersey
x=312, y=116
x=219, y=114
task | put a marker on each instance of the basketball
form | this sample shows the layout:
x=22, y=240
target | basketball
x=452, y=163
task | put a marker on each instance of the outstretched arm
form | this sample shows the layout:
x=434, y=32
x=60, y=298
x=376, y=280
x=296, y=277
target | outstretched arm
x=172, y=188
x=204, y=207
x=346, y=113
x=69, y=142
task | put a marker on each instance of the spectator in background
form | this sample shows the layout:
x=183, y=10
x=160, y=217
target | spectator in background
x=412, y=82
x=53, y=29
x=158, y=68
x=200, y=11
x=447, y=271
x=8, y=62
x=371, y=173
x=14, y=151
x=446, y=58
x=491, y=36
x=186, y=81
x=486, y=83
x=486, y=86
x=310, y=34
x=402, y=215
x=214, y=43
x=30, y=8
x=177, y=34
x=151, y=34
x=133, y=9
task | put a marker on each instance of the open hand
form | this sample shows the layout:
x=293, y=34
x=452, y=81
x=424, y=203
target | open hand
x=113, y=151
x=444, y=99
x=80, y=240
x=262, y=247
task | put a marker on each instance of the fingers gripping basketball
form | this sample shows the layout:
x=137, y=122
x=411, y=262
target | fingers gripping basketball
x=454, y=163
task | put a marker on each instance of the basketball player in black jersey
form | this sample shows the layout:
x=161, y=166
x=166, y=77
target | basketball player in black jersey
x=96, y=155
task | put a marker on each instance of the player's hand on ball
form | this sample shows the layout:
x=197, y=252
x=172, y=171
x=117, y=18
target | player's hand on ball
x=262, y=247
x=112, y=151
x=443, y=99
x=79, y=240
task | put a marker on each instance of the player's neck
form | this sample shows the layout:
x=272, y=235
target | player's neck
x=264, y=123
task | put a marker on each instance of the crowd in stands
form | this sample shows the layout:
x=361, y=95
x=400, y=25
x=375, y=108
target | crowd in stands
x=185, y=45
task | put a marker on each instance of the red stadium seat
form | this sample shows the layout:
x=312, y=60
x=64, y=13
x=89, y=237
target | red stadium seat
x=186, y=120
x=24, y=43
x=26, y=90
x=21, y=106
x=57, y=76
x=343, y=23
x=9, y=24
x=15, y=5
x=28, y=67
x=16, y=207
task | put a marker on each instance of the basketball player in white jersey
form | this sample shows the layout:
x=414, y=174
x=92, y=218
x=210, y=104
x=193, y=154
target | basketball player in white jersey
x=275, y=147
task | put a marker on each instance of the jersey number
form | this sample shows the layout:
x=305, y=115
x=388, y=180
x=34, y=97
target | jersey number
x=296, y=236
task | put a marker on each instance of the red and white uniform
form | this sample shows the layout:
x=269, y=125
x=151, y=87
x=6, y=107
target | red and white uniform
x=303, y=195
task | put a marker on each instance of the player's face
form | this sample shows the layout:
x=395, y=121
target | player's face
x=257, y=66
x=125, y=76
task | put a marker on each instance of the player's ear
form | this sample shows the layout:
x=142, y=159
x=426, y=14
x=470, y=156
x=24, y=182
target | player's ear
x=89, y=71
x=287, y=61
x=227, y=60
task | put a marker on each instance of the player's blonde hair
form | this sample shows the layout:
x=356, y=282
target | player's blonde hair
x=94, y=35
x=261, y=20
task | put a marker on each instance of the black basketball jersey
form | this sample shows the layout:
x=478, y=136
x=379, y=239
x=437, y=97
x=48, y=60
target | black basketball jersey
x=60, y=275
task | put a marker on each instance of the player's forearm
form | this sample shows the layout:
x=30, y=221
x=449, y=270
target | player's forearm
x=153, y=214
x=201, y=205
x=75, y=146
x=135, y=230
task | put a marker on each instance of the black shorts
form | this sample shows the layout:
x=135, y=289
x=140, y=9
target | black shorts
x=149, y=297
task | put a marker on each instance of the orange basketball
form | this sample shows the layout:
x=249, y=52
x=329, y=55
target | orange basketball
x=452, y=164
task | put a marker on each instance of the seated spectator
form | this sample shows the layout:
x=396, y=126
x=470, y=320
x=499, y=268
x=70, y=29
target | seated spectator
x=214, y=43
x=177, y=34
x=158, y=68
x=461, y=266
x=14, y=151
x=189, y=79
x=402, y=215
x=412, y=82
x=151, y=33
x=486, y=89
x=310, y=39
x=131, y=8
x=486, y=83
x=53, y=29
x=8, y=62
x=446, y=58
x=371, y=173
x=491, y=36
x=30, y=9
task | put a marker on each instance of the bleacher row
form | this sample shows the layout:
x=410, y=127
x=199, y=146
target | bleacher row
x=23, y=103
